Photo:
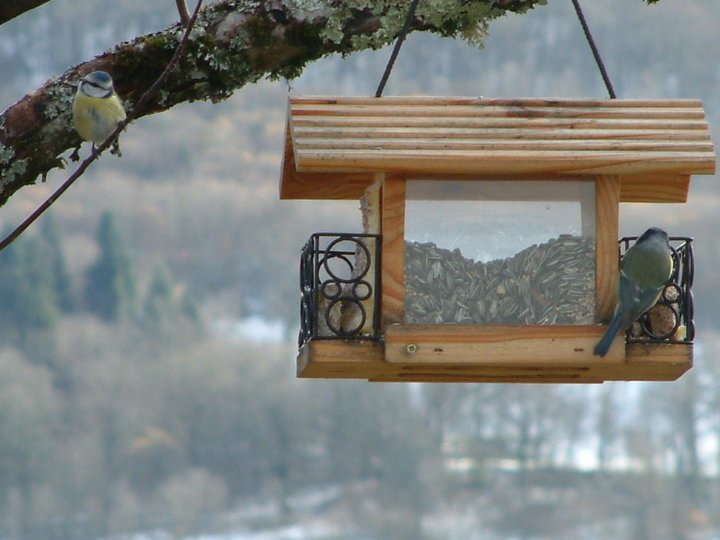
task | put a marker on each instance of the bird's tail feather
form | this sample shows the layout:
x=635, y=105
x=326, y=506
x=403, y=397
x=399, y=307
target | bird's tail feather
x=603, y=345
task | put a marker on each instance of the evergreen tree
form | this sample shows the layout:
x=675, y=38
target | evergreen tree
x=167, y=304
x=28, y=302
x=61, y=276
x=110, y=285
x=11, y=274
x=159, y=303
x=189, y=307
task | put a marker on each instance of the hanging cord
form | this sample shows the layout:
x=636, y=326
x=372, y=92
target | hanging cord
x=581, y=17
x=396, y=49
x=593, y=47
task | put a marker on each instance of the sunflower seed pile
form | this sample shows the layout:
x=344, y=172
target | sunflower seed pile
x=550, y=283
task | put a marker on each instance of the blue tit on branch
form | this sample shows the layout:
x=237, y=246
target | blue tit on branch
x=644, y=271
x=97, y=109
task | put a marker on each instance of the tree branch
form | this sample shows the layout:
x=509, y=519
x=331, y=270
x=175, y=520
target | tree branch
x=131, y=115
x=234, y=43
x=11, y=9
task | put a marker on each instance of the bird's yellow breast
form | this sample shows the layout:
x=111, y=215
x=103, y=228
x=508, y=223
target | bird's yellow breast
x=96, y=118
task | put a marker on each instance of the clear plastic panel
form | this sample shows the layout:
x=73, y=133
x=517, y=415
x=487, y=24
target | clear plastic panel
x=499, y=252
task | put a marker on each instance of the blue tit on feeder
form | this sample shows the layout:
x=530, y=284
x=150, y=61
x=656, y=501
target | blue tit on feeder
x=645, y=269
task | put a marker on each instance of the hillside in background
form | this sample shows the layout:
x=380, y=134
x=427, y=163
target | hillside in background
x=172, y=417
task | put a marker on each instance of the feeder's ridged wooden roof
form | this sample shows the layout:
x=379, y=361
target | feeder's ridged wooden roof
x=334, y=145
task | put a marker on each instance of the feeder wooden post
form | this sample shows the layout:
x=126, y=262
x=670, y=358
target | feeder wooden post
x=607, y=204
x=393, y=251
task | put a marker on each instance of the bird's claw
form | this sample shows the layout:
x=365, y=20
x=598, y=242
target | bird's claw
x=115, y=148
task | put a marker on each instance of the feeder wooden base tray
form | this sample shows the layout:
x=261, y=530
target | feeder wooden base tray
x=471, y=353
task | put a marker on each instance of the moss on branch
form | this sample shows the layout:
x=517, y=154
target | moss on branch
x=234, y=43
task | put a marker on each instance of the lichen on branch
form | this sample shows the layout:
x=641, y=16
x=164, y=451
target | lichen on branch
x=234, y=43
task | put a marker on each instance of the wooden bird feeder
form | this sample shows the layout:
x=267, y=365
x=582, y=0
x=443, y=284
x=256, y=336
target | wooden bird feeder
x=490, y=244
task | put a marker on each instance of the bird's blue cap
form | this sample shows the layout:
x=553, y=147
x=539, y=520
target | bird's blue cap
x=652, y=231
x=100, y=76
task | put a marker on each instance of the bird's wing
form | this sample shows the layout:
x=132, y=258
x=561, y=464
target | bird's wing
x=636, y=299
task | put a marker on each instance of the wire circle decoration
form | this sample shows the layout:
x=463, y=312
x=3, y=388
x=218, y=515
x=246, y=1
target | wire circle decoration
x=345, y=276
x=338, y=279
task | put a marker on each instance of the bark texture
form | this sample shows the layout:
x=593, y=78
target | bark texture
x=9, y=9
x=233, y=43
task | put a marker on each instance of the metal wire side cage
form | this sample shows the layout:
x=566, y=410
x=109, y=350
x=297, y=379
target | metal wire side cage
x=671, y=319
x=340, y=285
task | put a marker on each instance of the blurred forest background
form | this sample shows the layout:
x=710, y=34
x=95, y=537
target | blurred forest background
x=147, y=324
